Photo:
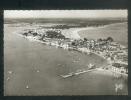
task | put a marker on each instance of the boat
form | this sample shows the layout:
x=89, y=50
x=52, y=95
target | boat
x=91, y=66
x=68, y=75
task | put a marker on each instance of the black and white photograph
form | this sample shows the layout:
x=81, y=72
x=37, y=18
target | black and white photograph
x=65, y=52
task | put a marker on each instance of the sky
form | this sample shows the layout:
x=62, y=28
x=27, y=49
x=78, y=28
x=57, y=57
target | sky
x=65, y=13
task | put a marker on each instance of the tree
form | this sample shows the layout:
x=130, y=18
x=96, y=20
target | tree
x=54, y=34
x=42, y=37
x=85, y=39
x=110, y=39
x=35, y=34
x=100, y=39
x=25, y=33
x=74, y=43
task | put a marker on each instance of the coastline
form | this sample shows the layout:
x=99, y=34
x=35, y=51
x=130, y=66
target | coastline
x=56, y=45
x=62, y=46
x=99, y=27
x=76, y=33
x=77, y=30
x=34, y=57
x=106, y=31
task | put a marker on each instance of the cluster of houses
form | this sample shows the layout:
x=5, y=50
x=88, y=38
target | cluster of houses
x=106, y=48
x=120, y=68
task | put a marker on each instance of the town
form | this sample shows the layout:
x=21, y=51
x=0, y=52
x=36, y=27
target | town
x=115, y=53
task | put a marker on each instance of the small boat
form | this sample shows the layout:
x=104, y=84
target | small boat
x=68, y=75
x=27, y=87
x=91, y=66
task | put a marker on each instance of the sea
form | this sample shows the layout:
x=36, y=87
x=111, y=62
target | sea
x=34, y=69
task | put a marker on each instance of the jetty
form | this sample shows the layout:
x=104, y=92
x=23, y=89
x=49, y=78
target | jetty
x=91, y=67
x=76, y=73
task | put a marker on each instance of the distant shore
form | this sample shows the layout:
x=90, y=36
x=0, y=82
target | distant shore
x=120, y=30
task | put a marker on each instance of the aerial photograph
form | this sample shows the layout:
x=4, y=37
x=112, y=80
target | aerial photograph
x=65, y=52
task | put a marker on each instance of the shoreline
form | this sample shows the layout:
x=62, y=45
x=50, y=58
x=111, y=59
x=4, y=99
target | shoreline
x=77, y=30
x=50, y=43
x=97, y=28
x=32, y=77
x=57, y=46
x=73, y=33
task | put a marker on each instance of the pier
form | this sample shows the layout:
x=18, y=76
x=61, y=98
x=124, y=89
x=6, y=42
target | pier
x=77, y=73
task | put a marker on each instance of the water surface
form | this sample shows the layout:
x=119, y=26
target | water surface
x=24, y=58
